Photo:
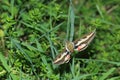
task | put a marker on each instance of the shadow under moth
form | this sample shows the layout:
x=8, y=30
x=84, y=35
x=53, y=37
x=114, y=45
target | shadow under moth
x=78, y=45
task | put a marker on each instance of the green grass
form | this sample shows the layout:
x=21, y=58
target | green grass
x=33, y=32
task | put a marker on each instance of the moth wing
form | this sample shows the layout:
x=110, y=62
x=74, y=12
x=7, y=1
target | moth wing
x=62, y=58
x=82, y=43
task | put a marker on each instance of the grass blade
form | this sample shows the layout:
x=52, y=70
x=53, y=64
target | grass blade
x=105, y=75
x=6, y=66
x=70, y=24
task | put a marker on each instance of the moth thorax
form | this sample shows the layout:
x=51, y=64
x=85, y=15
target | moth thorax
x=69, y=46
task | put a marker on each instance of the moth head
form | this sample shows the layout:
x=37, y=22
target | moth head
x=69, y=46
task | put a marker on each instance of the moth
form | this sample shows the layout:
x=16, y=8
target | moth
x=78, y=45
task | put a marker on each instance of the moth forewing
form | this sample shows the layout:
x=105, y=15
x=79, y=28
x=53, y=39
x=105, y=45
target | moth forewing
x=62, y=58
x=81, y=47
x=82, y=43
x=91, y=36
